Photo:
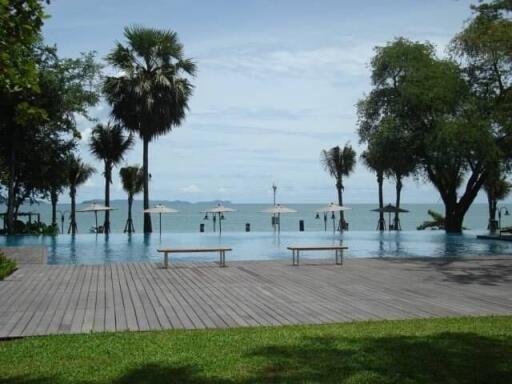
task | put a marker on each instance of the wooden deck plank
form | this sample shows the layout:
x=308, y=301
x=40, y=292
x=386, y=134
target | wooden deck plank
x=48, y=299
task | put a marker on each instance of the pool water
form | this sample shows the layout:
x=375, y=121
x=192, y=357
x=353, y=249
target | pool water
x=99, y=249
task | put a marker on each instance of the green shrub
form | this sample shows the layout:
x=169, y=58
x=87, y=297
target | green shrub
x=7, y=266
x=21, y=228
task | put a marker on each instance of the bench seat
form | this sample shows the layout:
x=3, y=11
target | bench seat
x=221, y=250
x=338, y=249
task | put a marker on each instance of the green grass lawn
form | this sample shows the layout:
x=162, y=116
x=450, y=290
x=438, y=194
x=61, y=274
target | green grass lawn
x=463, y=350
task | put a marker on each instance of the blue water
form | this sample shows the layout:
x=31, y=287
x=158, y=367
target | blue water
x=99, y=249
x=189, y=217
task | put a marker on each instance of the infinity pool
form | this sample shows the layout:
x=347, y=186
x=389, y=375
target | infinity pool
x=98, y=249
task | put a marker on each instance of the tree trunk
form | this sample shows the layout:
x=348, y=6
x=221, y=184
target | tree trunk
x=72, y=216
x=493, y=225
x=339, y=188
x=54, y=197
x=108, y=180
x=399, y=186
x=130, y=222
x=453, y=218
x=381, y=226
x=145, y=164
x=11, y=190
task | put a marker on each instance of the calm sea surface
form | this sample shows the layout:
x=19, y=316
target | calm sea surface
x=189, y=217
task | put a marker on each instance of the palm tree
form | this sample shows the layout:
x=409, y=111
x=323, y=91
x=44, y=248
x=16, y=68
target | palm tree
x=150, y=96
x=497, y=188
x=78, y=172
x=373, y=162
x=133, y=182
x=109, y=144
x=339, y=162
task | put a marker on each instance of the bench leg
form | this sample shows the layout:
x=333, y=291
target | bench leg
x=166, y=260
x=295, y=253
x=339, y=256
x=222, y=258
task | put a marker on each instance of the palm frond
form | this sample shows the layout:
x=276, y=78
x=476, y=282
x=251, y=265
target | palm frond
x=108, y=143
x=78, y=171
x=338, y=161
x=132, y=179
x=150, y=95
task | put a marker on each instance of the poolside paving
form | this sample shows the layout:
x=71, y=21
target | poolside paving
x=51, y=299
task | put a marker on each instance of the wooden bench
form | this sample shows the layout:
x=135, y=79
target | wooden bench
x=222, y=253
x=338, y=249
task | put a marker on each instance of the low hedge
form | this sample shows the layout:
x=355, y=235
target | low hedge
x=7, y=266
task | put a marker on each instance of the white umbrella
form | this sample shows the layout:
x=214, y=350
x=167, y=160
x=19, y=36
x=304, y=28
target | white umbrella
x=95, y=207
x=219, y=210
x=332, y=208
x=277, y=210
x=160, y=208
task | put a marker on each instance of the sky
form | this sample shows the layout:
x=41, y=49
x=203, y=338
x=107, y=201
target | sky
x=277, y=82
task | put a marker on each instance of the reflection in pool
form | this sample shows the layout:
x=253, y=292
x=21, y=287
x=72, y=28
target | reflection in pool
x=97, y=249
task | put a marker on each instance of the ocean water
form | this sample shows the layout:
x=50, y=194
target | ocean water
x=189, y=217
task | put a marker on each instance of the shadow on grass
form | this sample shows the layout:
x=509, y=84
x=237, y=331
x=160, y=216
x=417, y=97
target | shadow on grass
x=440, y=358
x=155, y=373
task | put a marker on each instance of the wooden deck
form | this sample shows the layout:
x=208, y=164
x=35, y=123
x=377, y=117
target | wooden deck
x=43, y=299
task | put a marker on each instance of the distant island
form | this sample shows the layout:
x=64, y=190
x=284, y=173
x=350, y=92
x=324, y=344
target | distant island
x=169, y=202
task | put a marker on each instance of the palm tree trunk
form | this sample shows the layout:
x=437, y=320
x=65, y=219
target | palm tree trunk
x=129, y=224
x=145, y=165
x=72, y=217
x=54, y=197
x=399, y=185
x=492, y=213
x=339, y=187
x=108, y=180
x=381, y=226
x=11, y=190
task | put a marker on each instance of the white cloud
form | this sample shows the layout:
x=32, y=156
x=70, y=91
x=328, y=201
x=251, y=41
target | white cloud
x=192, y=188
x=325, y=62
x=90, y=183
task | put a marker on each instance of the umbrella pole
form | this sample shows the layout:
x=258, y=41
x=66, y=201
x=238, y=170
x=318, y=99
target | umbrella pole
x=220, y=224
x=279, y=223
x=160, y=224
x=96, y=216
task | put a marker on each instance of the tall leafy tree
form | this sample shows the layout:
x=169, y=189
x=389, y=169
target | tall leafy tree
x=132, y=180
x=20, y=31
x=151, y=94
x=484, y=48
x=400, y=157
x=434, y=106
x=109, y=144
x=21, y=23
x=78, y=173
x=375, y=160
x=339, y=163
x=66, y=88
x=53, y=170
x=496, y=188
